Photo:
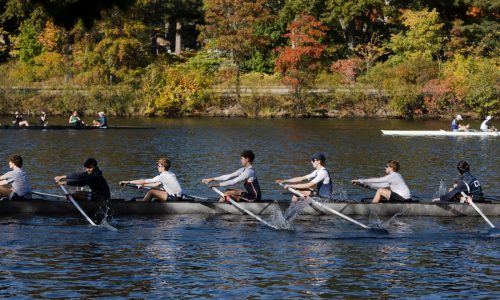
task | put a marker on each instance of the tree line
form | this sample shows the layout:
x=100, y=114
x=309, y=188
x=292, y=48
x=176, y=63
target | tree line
x=182, y=57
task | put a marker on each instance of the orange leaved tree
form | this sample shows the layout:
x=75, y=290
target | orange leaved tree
x=300, y=60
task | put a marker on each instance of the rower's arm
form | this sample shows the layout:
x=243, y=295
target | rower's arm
x=295, y=179
x=4, y=182
x=302, y=186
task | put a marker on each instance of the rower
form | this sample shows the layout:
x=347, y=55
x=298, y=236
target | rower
x=318, y=183
x=168, y=180
x=91, y=177
x=43, y=119
x=19, y=120
x=101, y=122
x=392, y=186
x=75, y=120
x=455, y=124
x=486, y=125
x=245, y=174
x=14, y=185
x=467, y=184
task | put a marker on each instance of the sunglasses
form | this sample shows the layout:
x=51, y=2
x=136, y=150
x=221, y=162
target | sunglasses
x=159, y=166
x=387, y=166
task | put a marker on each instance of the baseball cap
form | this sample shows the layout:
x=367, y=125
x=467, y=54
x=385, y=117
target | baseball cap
x=318, y=156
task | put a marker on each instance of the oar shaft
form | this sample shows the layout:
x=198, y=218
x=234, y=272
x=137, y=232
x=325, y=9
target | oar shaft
x=70, y=197
x=479, y=211
x=160, y=189
x=243, y=209
x=333, y=211
x=49, y=195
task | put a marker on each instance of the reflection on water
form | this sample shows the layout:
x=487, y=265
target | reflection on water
x=234, y=256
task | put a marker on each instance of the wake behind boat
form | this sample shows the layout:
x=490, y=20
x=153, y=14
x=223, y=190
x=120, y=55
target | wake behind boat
x=438, y=133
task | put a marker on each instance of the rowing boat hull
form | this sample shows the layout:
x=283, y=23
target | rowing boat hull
x=123, y=208
x=68, y=127
x=437, y=133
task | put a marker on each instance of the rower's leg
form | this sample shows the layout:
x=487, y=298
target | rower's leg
x=160, y=195
x=381, y=193
x=5, y=191
x=235, y=194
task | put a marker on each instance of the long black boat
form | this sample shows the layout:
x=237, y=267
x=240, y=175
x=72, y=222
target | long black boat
x=69, y=127
x=120, y=207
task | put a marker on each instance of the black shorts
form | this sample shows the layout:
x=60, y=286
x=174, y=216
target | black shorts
x=248, y=197
x=16, y=197
x=395, y=197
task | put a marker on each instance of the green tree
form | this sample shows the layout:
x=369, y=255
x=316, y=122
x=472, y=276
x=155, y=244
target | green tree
x=231, y=28
x=27, y=43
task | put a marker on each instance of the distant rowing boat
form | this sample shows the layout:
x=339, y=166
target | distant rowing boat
x=438, y=133
x=66, y=127
x=122, y=208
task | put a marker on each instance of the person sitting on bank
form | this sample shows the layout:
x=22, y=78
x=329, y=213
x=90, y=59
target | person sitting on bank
x=392, y=187
x=318, y=183
x=74, y=120
x=101, y=122
x=171, y=188
x=43, y=119
x=486, y=125
x=19, y=120
x=91, y=177
x=246, y=174
x=14, y=185
x=456, y=126
x=467, y=184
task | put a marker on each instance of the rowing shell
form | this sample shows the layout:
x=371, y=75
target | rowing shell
x=69, y=127
x=438, y=133
x=121, y=207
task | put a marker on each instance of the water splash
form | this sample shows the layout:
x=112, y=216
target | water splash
x=106, y=215
x=376, y=223
x=441, y=190
x=284, y=220
x=339, y=192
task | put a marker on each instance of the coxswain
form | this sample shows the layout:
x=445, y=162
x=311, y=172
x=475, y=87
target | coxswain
x=14, y=185
x=91, y=177
x=74, y=120
x=19, y=120
x=486, y=125
x=455, y=124
x=318, y=183
x=391, y=187
x=246, y=174
x=101, y=122
x=167, y=180
x=43, y=119
x=467, y=184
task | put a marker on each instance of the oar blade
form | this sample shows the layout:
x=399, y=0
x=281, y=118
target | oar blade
x=108, y=226
x=494, y=232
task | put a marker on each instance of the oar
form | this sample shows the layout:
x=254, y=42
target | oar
x=298, y=194
x=243, y=209
x=493, y=229
x=70, y=198
x=160, y=189
x=48, y=195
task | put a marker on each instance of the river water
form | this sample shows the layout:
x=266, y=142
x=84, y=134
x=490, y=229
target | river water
x=191, y=256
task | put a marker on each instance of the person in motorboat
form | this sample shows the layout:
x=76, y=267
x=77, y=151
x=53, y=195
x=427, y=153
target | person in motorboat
x=456, y=126
x=19, y=120
x=486, y=125
x=391, y=187
x=171, y=188
x=317, y=184
x=246, y=174
x=43, y=119
x=102, y=121
x=467, y=184
x=14, y=185
x=91, y=177
x=75, y=121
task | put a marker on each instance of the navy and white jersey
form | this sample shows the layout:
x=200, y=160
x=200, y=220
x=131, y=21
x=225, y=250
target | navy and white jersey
x=103, y=121
x=95, y=181
x=394, y=181
x=469, y=185
x=323, y=182
x=246, y=175
x=485, y=126
x=454, y=125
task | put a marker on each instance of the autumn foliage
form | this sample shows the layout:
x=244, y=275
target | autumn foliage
x=300, y=60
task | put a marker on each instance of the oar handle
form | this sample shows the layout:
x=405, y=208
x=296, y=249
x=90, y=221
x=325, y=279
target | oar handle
x=242, y=208
x=297, y=193
x=70, y=198
x=363, y=185
x=478, y=210
x=143, y=187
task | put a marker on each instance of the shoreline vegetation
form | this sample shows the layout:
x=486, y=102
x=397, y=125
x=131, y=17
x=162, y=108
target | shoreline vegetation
x=254, y=59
